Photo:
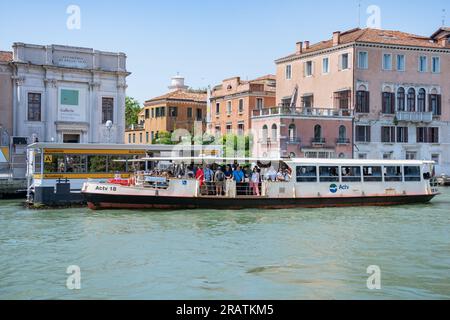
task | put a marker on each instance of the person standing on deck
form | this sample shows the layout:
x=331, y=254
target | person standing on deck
x=219, y=179
x=254, y=181
x=209, y=177
x=200, y=177
x=228, y=181
x=238, y=177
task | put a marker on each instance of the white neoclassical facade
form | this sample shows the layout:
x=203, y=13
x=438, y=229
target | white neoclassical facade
x=68, y=94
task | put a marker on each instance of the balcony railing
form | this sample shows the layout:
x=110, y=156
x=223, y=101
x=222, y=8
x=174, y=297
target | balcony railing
x=303, y=112
x=135, y=127
x=342, y=141
x=291, y=140
x=414, y=116
x=318, y=141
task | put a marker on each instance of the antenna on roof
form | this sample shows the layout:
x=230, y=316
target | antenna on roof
x=359, y=14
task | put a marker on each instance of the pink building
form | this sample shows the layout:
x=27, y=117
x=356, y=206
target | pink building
x=394, y=85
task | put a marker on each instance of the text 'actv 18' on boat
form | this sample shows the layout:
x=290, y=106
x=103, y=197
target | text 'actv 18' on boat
x=217, y=183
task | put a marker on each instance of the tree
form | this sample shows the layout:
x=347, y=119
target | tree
x=163, y=137
x=132, y=109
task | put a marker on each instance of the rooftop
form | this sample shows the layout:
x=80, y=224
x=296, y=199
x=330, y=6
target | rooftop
x=181, y=95
x=6, y=56
x=368, y=35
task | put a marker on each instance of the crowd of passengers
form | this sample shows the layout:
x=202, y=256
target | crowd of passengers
x=228, y=179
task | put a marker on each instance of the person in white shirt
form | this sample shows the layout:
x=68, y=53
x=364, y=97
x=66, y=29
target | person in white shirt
x=254, y=181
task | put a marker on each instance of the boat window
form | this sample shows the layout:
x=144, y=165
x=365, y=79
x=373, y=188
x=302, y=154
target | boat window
x=37, y=163
x=117, y=164
x=412, y=174
x=393, y=174
x=97, y=164
x=329, y=174
x=307, y=174
x=75, y=163
x=372, y=174
x=351, y=174
x=54, y=163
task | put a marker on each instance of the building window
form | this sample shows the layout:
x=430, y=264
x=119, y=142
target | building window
x=342, y=99
x=241, y=128
x=259, y=103
x=362, y=134
x=129, y=138
x=147, y=137
x=401, y=62
x=427, y=135
x=362, y=156
x=229, y=128
x=153, y=112
x=147, y=114
x=288, y=72
x=318, y=134
x=163, y=111
x=199, y=115
x=173, y=112
x=274, y=132
x=344, y=61
x=421, y=97
x=241, y=105
x=140, y=137
x=343, y=135
x=388, y=102
x=362, y=101
x=433, y=134
x=363, y=60
x=387, y=61
x=435, y=101
x=325, y=65
x=107, y=109
x=308, y=68
x=292, y=133
x=423, y=64
x=388, y=134
x=229, y=107
x=308, y=101
x=436, y=158
x=217, y=108
x=436, y=65
x=402, y=134
x=401, y=99
x=265, y=133
x=218, y=130
x=134, y=138
x=34, y=106
x=189, y=113
x=411, y=103
x=411, y=155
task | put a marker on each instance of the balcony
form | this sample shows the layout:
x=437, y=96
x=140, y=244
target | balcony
x=291, y=140
x=414, y=116
x=135, y=127
x=318, y=141
x=342, y=141
x=302, y=112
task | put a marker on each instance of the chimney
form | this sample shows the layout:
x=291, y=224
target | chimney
x=306, y=45
x=336, y=38
x=299, y=46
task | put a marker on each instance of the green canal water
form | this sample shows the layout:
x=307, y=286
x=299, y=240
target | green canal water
x=252, y=254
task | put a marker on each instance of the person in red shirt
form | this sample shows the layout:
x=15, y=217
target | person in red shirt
x=200, y=176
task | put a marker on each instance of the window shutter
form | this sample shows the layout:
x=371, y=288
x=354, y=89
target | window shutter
x=439, y=101
x=367, y=106
x=383, y=103
x=392, y=103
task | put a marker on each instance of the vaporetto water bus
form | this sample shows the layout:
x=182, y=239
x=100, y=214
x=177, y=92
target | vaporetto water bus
x=307, y=183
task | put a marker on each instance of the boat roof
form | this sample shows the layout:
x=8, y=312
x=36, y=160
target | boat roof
x=357, y=162
x=298, y=161
x=113, y=146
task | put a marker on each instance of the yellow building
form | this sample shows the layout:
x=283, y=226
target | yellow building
x=181, y=108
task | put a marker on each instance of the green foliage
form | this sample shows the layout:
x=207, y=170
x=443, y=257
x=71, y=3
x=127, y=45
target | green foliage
x=132, y=109
x=163, y=137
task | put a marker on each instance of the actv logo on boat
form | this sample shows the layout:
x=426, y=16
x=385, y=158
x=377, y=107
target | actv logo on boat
x=335, y=188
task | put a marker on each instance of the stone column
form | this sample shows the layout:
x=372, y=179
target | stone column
x=51, y=109
x=93, y=112
x=120, y=112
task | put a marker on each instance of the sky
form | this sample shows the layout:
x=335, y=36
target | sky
x=205, y=41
